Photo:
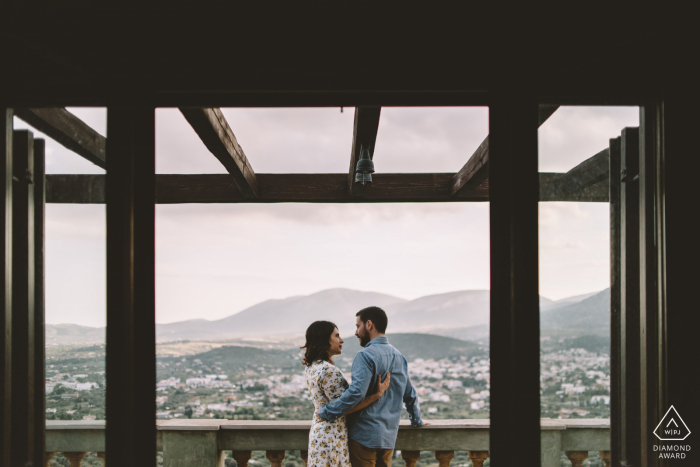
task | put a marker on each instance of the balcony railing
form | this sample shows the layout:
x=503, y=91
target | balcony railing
x=201, y=443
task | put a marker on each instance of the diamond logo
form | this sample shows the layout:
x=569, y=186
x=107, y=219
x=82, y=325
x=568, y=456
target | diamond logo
x=672, y=427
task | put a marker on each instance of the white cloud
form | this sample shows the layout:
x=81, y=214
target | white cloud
x=429, y=139
x=573, y=134
x=574, y=248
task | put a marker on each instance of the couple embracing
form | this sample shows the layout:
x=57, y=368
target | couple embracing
x=373, y=402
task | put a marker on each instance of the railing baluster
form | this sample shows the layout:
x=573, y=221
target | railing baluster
x=444, y=457
x=211, y=443
x=478, y=457
x=275, y=457
x=410, y=457
x=75, y=458
x=577, y=457
x=242, y=457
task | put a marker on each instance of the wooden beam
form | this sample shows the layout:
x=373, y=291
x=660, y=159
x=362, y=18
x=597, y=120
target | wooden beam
x=131, y=336
x=38, y=186
x=576, y=181
x=364, y=135
x=315, y=188
x=476, y=170
x=550, y=184
x=630, y=383
x=546, y=111
x=75, y=189
x=217, y=136
x=68, y=130
x=274, y=188
x=514, y=302
x=301, y=188
x=24, y=371
x=615, y=303
x=6, y=291
x=649, y=278
x=678, y=246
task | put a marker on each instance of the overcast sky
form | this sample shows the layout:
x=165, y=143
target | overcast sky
x=215, y=260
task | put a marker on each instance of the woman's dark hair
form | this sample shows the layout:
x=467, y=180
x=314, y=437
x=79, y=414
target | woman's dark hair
x=318, y=341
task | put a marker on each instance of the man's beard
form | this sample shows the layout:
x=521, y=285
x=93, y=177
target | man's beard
x=364, y=339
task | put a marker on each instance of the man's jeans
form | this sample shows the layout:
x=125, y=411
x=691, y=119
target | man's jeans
x=361, y=456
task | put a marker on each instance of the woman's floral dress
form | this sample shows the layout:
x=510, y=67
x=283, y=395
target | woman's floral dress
x=328, y=441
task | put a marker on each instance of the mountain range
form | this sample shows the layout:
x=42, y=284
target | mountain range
x=415, y=345
x=463, y=315
x=591, y=314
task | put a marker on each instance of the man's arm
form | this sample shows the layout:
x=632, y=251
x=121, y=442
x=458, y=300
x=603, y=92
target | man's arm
x=362, y=372
x=410, y=398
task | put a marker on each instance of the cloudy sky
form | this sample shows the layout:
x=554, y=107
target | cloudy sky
x=215, y=260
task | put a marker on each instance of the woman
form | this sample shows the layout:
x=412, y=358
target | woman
x=328, y=441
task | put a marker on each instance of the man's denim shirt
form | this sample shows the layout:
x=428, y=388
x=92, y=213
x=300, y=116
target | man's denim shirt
x=377, y=425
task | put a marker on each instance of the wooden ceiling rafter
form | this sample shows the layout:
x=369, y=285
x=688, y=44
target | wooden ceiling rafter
x=305, y=188
x=68, y=130
x=476, y=170
x=216, y=134
x=364, y=135
x=589, y=179
x=587, y=182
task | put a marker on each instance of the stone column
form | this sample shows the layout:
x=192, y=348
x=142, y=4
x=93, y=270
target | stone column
x=102, y=457
x=275, y=457
x=242, y=457
x=444, y=457
x=190, y=449
x=550, y=447
x=410, y=457
x=48, y=457
x=605, y=455
x=478, y=457
x=304, y=456
x=577, y=457
x=75, y=458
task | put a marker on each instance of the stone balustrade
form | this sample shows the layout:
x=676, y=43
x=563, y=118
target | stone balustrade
x=202, y=443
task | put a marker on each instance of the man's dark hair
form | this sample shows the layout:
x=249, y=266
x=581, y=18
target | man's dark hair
x=376, y=315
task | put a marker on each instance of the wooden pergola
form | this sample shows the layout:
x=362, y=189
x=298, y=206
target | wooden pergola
x=520, y=60
x=586, y=182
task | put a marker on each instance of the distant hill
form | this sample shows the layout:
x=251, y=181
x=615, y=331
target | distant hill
x=546, y=305
x=233, y=359
x=289, y=317
x=448, y=310
x=591, y=315
x=284, y=317
x=478, y=334
x=442, y=313
x=587, y=313
x=461, y=315
x=415, y=345
x=592, y=343
x=73, y=334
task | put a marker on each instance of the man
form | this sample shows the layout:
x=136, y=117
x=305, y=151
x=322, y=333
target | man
x=373, y=430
